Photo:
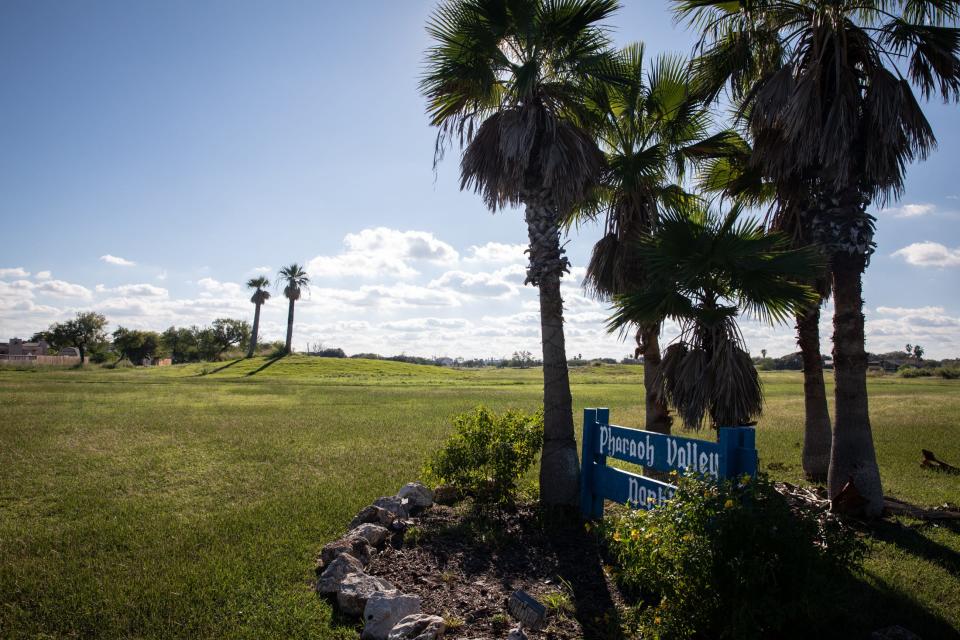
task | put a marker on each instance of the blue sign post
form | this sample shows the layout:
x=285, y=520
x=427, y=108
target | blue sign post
x=733, y=455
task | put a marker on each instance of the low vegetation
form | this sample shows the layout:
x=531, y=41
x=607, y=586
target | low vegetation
x=731, y=560
x=158, y=503
x=488, y=455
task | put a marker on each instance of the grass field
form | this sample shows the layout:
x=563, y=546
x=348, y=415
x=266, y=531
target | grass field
x=189, y=501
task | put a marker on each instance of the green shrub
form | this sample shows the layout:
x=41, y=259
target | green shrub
x=488, y=454
x=949, y=373
x=726, y=560
x=907, y=371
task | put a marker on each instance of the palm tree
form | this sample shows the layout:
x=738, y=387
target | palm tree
x=260, y=295
x=733, y=176
x=650, y=130
x=504, y=78
x=703, y=270
x=835, y=121
x=294, y=279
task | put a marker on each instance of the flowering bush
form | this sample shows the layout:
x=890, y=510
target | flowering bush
x=727, y=560
x=488, y=454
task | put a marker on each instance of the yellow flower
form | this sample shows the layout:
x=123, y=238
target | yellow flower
x=616, y=536
x=651, y=499
x=728, y=504
x=634, y=535
x=656, y=620
x=745, y=479
x=688, y=537
x=588, y=527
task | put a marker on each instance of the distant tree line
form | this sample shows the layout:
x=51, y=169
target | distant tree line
x=87, y=333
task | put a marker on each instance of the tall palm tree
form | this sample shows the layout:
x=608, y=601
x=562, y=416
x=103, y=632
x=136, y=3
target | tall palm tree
x=649, y=130
x=733, y=176
x=827, y=87
x=703, y=270
x=260, y=296
x=294, y=279
x=503, y=78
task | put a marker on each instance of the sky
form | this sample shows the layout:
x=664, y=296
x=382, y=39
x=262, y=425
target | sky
x=156, y=155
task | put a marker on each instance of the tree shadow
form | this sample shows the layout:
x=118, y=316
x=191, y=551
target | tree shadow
x=912, y=540
x=219, y=369
x=580, y=564
x=269, y=363
x=862, y=604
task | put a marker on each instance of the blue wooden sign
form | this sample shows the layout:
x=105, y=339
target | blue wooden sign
x=732, y=455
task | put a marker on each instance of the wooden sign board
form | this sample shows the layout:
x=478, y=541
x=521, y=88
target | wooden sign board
x=732, y=455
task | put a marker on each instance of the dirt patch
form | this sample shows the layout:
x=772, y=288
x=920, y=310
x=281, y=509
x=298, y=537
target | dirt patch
x=465, y=569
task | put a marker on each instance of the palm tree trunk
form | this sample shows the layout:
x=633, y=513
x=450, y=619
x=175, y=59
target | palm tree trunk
x=852, y=456
x=657, y=414
x=289, y=342
x=254, y=332
x=559, y=465
x=816, y=432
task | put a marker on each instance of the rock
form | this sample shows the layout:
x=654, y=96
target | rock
x=516, y=634
x=417, y=495
x=418, y=627
x=356, y=546
x=372, y=514
x=355, y=589
x=394, y=504
x=338, y=569
x=446, y=494
x=374, y=534
x=384, y=610
x=896, y=632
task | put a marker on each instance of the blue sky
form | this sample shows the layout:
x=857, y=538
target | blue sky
x=203, y=141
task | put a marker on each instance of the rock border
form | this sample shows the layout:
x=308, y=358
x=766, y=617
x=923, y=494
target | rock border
x=387, y=613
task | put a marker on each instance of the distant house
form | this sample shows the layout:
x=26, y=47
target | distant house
x=17, y=349
x=35, y=353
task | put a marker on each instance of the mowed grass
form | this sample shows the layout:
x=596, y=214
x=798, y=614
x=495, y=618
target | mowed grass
x=190, y=501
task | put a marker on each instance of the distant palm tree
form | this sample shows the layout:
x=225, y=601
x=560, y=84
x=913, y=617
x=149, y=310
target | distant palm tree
x=703, y=271
x=294, y=279
x=826, y=88
x=504, y=78
x=260, y=296
x=650, y=130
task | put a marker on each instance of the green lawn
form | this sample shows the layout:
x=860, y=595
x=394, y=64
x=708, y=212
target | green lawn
x=189, y=501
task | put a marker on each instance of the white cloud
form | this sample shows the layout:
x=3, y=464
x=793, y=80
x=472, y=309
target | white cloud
x=404, y=295
x=120, y=262
x=43, y=275
x=498, y=253
x=911, y=210
x=54, y=288
x=61, y=289
x=14, y=272
x=135, y=290
x=383, y=252
x=475, y=284
x=210, y=287
x=929, y=254
x=261, y=269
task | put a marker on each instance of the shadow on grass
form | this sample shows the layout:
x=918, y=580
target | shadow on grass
x=269, y=363
x=219, y=369
x=911, y=540
x=868, y=603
